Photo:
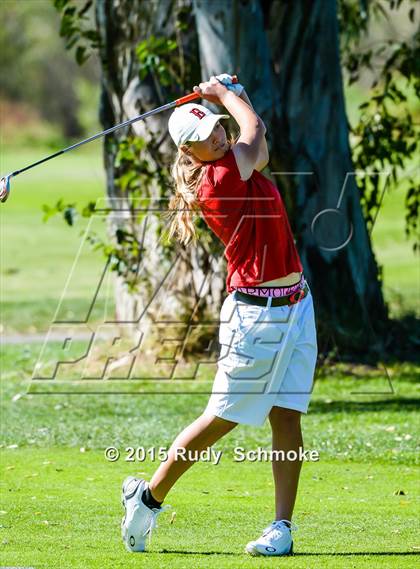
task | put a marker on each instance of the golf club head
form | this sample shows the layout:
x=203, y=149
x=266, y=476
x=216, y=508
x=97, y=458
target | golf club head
x=4, y=188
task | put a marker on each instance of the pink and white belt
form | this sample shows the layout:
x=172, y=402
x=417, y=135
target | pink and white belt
x=274, y=291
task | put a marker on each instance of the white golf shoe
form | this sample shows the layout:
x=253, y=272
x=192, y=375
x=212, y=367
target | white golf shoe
x=139, y=520
x=276, y=539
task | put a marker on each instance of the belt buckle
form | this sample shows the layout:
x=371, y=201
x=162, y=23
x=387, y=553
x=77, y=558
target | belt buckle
x=296, y=296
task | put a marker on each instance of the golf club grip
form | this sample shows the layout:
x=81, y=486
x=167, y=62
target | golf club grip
x=193, y=96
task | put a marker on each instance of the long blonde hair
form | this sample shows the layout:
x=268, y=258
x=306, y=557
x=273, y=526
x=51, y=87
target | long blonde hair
x=187, y=172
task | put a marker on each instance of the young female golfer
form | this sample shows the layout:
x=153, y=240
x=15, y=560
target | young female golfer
x=267, y=329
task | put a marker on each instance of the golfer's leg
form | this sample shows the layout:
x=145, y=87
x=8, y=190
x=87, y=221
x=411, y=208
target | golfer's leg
x=202, y=433
x=286, y=435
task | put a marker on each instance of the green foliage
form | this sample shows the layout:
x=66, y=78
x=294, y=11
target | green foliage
x=68, y=210
x=385, y=140
x=155, y=55
x=412, y=200
x=75, y=28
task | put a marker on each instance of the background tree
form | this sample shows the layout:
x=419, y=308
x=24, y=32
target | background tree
x=37, y=72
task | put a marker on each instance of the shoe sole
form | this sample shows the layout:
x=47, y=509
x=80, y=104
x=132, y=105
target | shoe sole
x=251, y=550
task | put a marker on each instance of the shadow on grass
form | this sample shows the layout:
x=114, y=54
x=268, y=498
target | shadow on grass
x=358, y=553
x=394, y=404
x=300, y=554
x=398, y=343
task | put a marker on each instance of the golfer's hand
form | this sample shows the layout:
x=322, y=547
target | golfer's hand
x=212, y=90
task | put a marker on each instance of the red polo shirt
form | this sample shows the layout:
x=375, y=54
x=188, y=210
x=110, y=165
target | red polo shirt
x=250, y=219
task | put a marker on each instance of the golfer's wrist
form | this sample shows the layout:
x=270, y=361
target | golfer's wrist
x=226, y=96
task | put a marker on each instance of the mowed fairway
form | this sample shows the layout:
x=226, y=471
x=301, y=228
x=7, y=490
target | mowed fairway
x=60, y=498
x=66, y=504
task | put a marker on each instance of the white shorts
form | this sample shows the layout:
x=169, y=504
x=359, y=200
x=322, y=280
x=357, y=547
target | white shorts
x=267, y=359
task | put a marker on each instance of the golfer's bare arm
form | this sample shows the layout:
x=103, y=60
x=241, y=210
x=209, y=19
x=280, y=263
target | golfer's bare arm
x=248, y=146
x=263, y=155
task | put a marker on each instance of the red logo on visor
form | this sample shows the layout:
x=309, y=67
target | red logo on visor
x=198, y=113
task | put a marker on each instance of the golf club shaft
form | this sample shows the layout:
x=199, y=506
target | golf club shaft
x=95, y=136
x=176, y=103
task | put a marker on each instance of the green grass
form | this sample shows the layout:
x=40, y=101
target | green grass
x=355, y=412
x=66, y=504
x=37, y=257
x=356, y=506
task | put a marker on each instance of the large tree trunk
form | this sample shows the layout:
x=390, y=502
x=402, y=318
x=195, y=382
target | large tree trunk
x=291, y=69
x=334, y=244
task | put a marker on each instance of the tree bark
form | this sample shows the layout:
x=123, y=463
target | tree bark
x=304, y=40
x=119, y=29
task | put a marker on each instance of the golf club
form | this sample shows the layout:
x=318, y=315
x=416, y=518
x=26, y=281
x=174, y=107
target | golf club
x=5, y=180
